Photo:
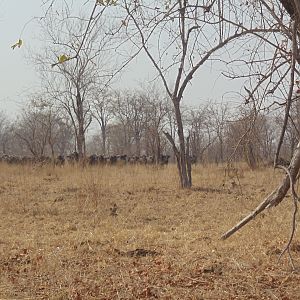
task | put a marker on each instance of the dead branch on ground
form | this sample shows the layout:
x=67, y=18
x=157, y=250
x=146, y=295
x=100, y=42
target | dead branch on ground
x=275, y=197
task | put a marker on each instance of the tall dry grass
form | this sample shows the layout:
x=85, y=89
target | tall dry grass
x=72, y=233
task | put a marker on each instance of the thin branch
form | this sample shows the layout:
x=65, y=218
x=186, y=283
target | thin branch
x=290, y=95
x=209, y=53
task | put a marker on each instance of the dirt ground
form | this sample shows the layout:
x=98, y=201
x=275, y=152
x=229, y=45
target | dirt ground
x=129, y=232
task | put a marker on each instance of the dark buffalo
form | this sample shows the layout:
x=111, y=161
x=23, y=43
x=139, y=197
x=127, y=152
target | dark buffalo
x=164, y=159
x=93, y=160
x=60, y=160
x=73, y=157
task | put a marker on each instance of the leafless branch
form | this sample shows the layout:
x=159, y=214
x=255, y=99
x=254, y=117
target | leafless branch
x=291, y=90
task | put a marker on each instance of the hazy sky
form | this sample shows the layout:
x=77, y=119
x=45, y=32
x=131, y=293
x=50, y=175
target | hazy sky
x=18, y=77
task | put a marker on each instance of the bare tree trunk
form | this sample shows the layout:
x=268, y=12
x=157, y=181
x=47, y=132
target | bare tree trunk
x=4, y=148
x=138, y=144
x=182, y=163
x=51, y=144
x=80, y=142
x=52, y=151
x=80, y=136
x=103, y=133
x=158, y=149
x=126, y=143
x=75, y=140
x=251, y=156
x=188, y=160
x=221, y=150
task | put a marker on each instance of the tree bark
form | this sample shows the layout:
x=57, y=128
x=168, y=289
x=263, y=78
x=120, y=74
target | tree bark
x=221, y=149
x=80, y=136
x=80, y=142
x=182, y=163
x=103, y=133
x=157, y=146
x=188, y=160
x=137, y=144
x=250, y=156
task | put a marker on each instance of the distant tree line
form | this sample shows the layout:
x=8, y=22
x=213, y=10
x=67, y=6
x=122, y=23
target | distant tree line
x=133, y=122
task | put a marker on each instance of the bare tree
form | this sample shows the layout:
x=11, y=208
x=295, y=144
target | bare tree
x=130, y=110
x=123, y=115
x=102, y=113
x=219, y=115
x=33, y=131
x=157, y=108
x=42, y=130
x=201, y=132
x=117, y=142
x=59, y=128
x=72, y=82
x=132, y=121
x=179, y=37
x=251, y=137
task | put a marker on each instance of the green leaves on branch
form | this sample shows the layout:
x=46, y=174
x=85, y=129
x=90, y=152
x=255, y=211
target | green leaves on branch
x=18, y=44
x=106, y=2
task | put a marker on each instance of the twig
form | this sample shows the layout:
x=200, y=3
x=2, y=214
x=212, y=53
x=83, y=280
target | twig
x=84, y=35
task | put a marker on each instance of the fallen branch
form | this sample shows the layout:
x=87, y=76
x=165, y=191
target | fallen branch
x=275, y=197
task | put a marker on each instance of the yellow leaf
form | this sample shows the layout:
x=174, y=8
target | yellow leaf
x=107, y=2
x=18, y=44
x=63, y=58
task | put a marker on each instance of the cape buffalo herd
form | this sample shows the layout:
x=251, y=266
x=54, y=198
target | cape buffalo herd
x=92, y=160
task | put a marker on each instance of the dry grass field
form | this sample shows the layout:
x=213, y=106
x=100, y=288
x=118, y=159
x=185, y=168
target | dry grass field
x=130, y=233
